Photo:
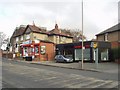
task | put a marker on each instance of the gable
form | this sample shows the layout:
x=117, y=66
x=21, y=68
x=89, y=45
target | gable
x=28, y=31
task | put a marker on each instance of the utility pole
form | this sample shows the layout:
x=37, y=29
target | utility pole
x=82, y=38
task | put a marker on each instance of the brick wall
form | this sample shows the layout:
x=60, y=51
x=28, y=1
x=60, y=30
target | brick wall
x=50, y=52
x=100, y=38
x=7, y=55
x=115, y=44
x=114, y=36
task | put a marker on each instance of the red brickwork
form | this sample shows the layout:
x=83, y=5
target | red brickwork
x=115, y=44
x=50, y=52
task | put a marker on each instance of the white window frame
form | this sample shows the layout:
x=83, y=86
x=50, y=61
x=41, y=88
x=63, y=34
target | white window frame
x=17, y=39
x=27, y=36
x=21, y=38
x=106, y=37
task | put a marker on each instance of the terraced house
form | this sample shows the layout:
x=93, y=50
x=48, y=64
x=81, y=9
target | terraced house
x=37, y=42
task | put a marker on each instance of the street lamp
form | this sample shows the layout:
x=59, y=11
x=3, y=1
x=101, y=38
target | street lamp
x=82, y=38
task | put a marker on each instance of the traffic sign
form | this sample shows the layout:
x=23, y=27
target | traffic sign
x=95, y=45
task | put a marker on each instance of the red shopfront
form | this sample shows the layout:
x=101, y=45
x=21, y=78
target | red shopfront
x=40, y=51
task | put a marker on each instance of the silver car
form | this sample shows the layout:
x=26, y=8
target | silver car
x=61, y=58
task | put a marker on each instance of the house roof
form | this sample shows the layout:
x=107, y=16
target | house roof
x=59, y=32
x=21, y=30
x=18, y=31
x=36, y=29
x=112, y=29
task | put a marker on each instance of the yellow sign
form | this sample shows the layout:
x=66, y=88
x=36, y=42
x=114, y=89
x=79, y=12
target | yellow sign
x=18, y=54
x=95, y=45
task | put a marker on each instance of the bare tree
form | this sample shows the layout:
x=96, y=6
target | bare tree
x=3, y=39
x=76, y=33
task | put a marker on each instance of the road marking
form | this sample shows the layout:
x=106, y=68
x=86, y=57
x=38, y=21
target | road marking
x=83, y=84
x=97, y=84
x=67, y=80
x=47, y=78
x=111, y=84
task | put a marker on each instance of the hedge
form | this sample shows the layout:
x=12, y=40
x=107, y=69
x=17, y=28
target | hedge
x=116, y=53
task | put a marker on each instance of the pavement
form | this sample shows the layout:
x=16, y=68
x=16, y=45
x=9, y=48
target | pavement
x=106, y=67
x=109, y=67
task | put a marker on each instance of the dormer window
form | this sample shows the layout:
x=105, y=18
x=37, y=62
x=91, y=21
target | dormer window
x=106, y=37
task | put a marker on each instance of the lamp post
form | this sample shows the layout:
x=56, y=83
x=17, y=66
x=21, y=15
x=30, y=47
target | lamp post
x=82, y=38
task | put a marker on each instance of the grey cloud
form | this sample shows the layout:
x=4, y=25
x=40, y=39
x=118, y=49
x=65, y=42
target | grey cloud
x=69, y=13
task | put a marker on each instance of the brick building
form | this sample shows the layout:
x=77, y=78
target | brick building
x=59, y=37
x=93, y=50
x=37, y=42
x=111, y=35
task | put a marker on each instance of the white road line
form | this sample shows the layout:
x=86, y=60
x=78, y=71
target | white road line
x=111, y=85
x=65, y=82
x=97, y=84
x=83, y=84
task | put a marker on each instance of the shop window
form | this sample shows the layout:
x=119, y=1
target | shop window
x=43, y=50
x=106, y=37
x=78, y=54
x=104, y=54
x=87, y=54
x=68, y=52
x=32, y=50
x=36, y=49
x=25, y=52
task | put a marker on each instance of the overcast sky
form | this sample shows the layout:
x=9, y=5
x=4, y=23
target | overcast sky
x=98, y=14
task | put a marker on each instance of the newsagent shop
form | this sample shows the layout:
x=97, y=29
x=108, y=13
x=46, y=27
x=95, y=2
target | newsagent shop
x=38, y=50
x=93, y=50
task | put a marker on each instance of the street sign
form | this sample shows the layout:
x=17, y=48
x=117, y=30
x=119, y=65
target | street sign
x=95, y=45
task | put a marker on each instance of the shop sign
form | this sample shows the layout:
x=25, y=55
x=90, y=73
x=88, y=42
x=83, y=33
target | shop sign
x=86, y=46
x=27, y=42
x=77, y=46
x=94, y=44
x=43, y=49
x=37, y=41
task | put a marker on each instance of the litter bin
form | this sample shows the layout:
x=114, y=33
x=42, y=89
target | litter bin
x=28, y=58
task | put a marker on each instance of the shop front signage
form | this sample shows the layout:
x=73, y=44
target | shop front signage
x=86, y=46
x=27, y=42
x=43, y=50
x=37, y=41
x=94, y=44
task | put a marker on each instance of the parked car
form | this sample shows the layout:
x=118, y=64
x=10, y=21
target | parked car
x=61, y=58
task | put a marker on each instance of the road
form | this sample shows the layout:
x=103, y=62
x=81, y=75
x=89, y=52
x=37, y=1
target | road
x=24, y=75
